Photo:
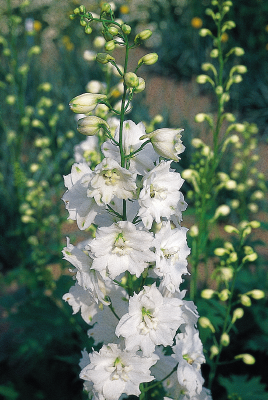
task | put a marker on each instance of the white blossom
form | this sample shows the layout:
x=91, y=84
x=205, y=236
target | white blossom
x=86, y=149
x=160, y=196
x=114, y=371
x=86, y=276
x=151, y=320
x=119, y=248
x=81, y=207
x=80, y=299
x=188, y=351
x=110, y=180
x=141, y=162
x=171, y=255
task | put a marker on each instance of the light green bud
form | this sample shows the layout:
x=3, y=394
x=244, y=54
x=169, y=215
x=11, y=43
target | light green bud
x=131, y=79
x=245, y=300
x=144, y=35
x=36, y=123
x=224, y=295
x=214, y=53
x=104, y=58
x=205, y=32
x=256, y=294
x=83, y=22
x=86, y=102
x=207, y=293
x=34, y=50
x=246, y=358
x=34, y=167
x=214, y=351
x=113, y=30
x=126, y=29
x=193, y=231
x=148, y=59
x=238, y=51
x=225, y=339
x=141, y=86
x=233, y=257
x=238, y=313
x=254, y=224
x=109, y=46
x=76, y=11
x=88, y=29
x=230, y=185
x=11, y=99
x=231, y=229
x=220, y=251
x=219, y=90
x=106, y=8
x=227, y=4
x=82, y=9
x=205, y=323
x=90, y=126
x=222, y=211
x=250, y=258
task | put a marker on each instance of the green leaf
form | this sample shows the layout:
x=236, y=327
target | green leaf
x=8, y=392
x=242, y=388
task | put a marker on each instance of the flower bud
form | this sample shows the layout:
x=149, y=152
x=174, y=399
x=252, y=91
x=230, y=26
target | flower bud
x=238, y=51
x=86, y=102
x=141, y=86
x=109, y=46
x=106, y=8
x=104, y=58
x=205, y=323
x=207, y=293
x=148, y=59
x=224, y=295
x=89, y=126
x=166, y=142
x=214, y=53
x=220, y=251
x=238, y=313
x=250, y=258
x=126, y=29
x=256, y=294
x=131, y=79
x=113, y=30
x=214, y=351
x=246, y=358
x=205, y=32
x=193, y=231
x=225, y=339
x=144, y=35
x=245, y=300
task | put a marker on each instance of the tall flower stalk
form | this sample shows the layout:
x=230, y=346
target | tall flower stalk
x=128, y=275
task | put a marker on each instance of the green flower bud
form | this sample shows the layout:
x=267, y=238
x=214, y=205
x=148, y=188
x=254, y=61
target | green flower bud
x=256, y=294
x=144, y=35
x=131, y=79
x=106, y=8
x=126, y=29
x=113, y=30
x=205, y=32
x=225, y=339
x=88, y=29
x=34, y=50
x=246, y=358
x=214, y=53
x=89, y=126
x=205, y=323
x=141, y=85
x=83, y=22
x=107, y=36
x=76, y=11
x=224, y=295
x=110, y=46
x=86, y=102
x=238, y=313
x=148, y=59
x=207, y=293
x=214, y=351
x=245, y=300
x=104, y=58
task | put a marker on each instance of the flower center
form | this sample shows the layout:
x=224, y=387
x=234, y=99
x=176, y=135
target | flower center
x=120, y=246
x=119, y=370
x=148, y=321
x=168, y=253
x=157, y=193
x=111, y=176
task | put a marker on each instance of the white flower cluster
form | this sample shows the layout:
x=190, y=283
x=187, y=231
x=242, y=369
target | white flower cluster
x=128, y=276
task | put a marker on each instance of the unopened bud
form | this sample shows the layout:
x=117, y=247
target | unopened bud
x=86, y=102
x=214, y=351
x=144, y=35
x=205, y=323
x=126, y=29
x=256, y=294
x=205, y=32
x=224, y=295
x=141, y=86
x=148, y=59
x=131, y=79
x=207, y=293
x=109, y=46
x=106, y=7
x=104, y=58
x=225, y=339
x=238, y=313
x=90, y=125
x=246, y=358
x=245, y=300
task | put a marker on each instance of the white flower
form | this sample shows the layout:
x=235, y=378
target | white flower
x=121, y=247
x=114, y=371
x=110, y=180
x=160, y=196
x=81, y=207
x=171, y=252
x=141, y=162
x=104, y=322
x=188, y=351
x=78, y=298
x=87, y=278
x=166, y=142
x=152, y=320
